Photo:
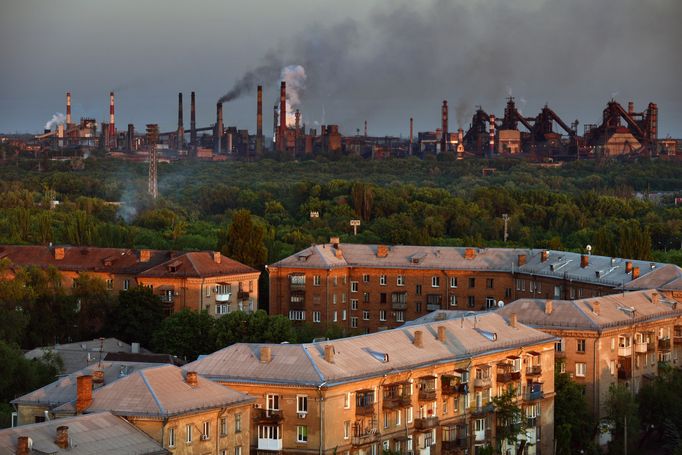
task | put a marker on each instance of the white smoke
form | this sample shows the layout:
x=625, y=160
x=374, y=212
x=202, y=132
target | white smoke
x=57, y=119
x=295, y=77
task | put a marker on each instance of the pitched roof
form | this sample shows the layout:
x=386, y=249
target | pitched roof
x=667, y=278
x=93, y=434
x=562, y=264
x=160, y=391
x=197, y=264
x=615, y=310
x=368, y=355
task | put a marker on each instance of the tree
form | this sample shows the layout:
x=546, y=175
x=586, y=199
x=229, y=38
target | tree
x=509, y=418
x=573, y=422
x=94, y=304
x=243, y=240
x=257, y=327
x=621, y=407
x=137, y=315
x=363, y=198
x=185, y=334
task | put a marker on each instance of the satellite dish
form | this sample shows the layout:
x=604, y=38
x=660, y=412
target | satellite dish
x=500, y=304
x=589, y=249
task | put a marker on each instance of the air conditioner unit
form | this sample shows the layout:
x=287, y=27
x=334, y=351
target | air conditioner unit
x=204, y=437
x=302, y=415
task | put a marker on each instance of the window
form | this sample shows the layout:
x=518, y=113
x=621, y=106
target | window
x=223, y=426
x=206, y=431
x=409, y=416
x=335, y=316
x=612, y=366
x=472, y=282
x=251, y=286
x=171, y=437
x=346, y=429
x=400, y=316
x=382, y=280
x=382, y=315
x=580, y=369
x=343, y=297
x=188, y=433
x=382, y=297
x=333, y=299
x=489, y=283
x=365, y=278
x=110, y=284
x=581, y=345
x=571, y=293
x=453, y=300
x=386, y=419
x=221, y=308
x=353, y=304
x=559, y=345
x=353, y=286
x=490, y=302
x=272, y=402
x=238, y=423
x=301, y=404
x=316, y=316
x=365, y=315
x=479, y=425
x=400, y=280
x=445, y=407
x=354, y=322
x=418, y=289
x=557, y=292
x=316, y=280
x=453, y=281
x=126, y=285
x=297, y=315
x=301, y=433
x=343, y=315
x=346, y=400
x=435, y=281
x=507, y=293
x=296, y=280
x=238, y=450
x=365, y=297
x=397, y=418
x=471, y=301
x=419, y=307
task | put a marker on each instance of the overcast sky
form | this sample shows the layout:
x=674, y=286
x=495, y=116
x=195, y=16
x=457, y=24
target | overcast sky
x=382, y=61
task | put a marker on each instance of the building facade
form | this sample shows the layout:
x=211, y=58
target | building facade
x=423, y=389
x=375, y=287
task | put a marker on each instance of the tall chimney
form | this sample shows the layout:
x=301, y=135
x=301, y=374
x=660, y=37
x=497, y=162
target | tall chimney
x=418, y=339
x=297, y=127
x=409, y=152
x=181, y=127
x=365, y=128
x=68, y=108
x=635, y=273
x=513, y=319
x=445, y=140
x=22, y=446
x=259, y=121
x=584, y=260
x=492, y=134
x=218, y=128
x=460, y=144
x=282, y=136
x=329, y=353
x=654, y=298
x=441, y=334
x=62, y=439
x=131, y=137
x=193, y=121
x=83, y=393
x=112, y=123
x=596, y=307
x=265, y=354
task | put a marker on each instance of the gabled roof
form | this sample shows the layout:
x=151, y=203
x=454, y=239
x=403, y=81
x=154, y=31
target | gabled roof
x=93, y=434
x=614, y=310
x=369, y=355
x=666, y=278
x=63, y=390
x=160, y=391
x=197, y=264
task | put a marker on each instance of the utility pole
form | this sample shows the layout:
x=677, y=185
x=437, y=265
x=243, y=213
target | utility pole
x=505, y=217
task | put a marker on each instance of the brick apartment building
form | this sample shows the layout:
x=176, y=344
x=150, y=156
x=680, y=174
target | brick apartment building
x=199, y=280
x=375, y=287
x=619, y=338
x=421, y=389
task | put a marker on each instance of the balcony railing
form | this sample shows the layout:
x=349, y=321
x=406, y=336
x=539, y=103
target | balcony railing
x=366, y=436
x=451, y=386
x=508, y=376
x=624, y=351
x=664, y=344
x=456, y=444
x=297, y=286
x=482, y=383
x=397, y=401
x=534, y=395
x=399, y=306
x=482, y=410
x=267, y=416
x=269, y=444
x=641, y=347
x=364, y=409
x=534, y=370
x=427, y=395
x=425, y=423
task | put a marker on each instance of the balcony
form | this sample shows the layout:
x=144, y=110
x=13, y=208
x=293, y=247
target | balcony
x=534, y=394
x=427, y=395
x=223, y=296
x=267, y=416
x=397, y=396
x=433, y=306
x=534, y=370
x=453, y=385
x=559, y=354
x=425, y=423
x=478, y=411
x=664, y=344
x=455, y=445
x=427, y=388
x=641, y=347
x=271, y=445
x=482, y=383
x=508, y=376
x=365, y=436
x=399, y=306
x=624, y=351
x=296, y=287
x=678, y=334
x=243, y=295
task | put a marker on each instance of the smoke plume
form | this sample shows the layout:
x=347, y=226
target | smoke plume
x=265, y=74
x=57, y=119
x=295, y=77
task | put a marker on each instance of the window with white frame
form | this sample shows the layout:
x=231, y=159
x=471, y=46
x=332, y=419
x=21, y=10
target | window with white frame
x=557, y=292
x=353, y=304
x=272, y=402
x=386, y=419
x=335, y=316
x=223, y=426
x=346, y=400
x=453, y=300
x=302, y=404
x=188, y=433
x=400, y=316
x=409, y=414
x=382, y=315
x=296, y=315
x=435, y=281
x=397, y=417
x=316, y=280
x=453, y=281
x=316, y=316
x=353, y=286
x=580, y=369
x=206, y=430
x=171, y=437
x=301, y=433
x=365, y=277
x=382, y=280
x=126, y=285
x=238, y=450
x=238, y=422
x=400, y=280
x=343, y=315
x=110, y=284
x=346, y=429
x=365, y=315
x=221, y=308
x=354, y=322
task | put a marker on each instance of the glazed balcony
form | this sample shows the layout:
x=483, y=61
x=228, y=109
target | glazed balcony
x=625, y=351
x=641, y=347
x=364, y=403
x=425, y=423
x=506, y=376
x=427, y=388
x=452, y=386
x=455, y=445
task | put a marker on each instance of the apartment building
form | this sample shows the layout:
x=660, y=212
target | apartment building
x=417, y=390
x=183, y=412
x=375, y=287
x=199, y=280
x=619, y=338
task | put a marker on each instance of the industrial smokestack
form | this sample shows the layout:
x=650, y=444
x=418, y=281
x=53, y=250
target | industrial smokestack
x=131, y=137
x=112, y=123
x=193, y=122
x=218, y=128
x=68, y=108
x=492, y=134
x=259, y=121
x=445, y=140
x=411, y=135
x=275, y=134
x=296, y=130
x=460, y=144
x=181, y=128
x=281, y=139
x=365, y=128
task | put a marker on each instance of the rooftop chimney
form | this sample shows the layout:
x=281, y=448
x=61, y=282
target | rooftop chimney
x=217, y=257
x=275, y=127
x=445, y=139
x=334, y=241
x=58, y=253
x=635, y=273
x=191, y=378
x=469, y=253
x=22, y=446
x=382, y=251
x=83, y=393
x=62, y=439
x=521, y=261
x=441, y=334
x=544, y=255
x=329, y=353
x=259, y=121
x=628, y=266
x=68, y=108
x=654, y=298
x=181, y=126
x=584, y=260
x=98, y=377
x=145, y=255
x=596, y=307
x=193, y=120
x=265, y=354
x=512, y=320
x=418, y=339
x=549, y=307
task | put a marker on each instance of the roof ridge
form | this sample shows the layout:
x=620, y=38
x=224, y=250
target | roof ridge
x=151, y=390
x=580, y=310
x=191, y=261
x=315, y=367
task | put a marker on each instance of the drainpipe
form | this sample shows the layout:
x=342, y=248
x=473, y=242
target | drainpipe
x=326, y=300
x=595, y=378
x=321, y=400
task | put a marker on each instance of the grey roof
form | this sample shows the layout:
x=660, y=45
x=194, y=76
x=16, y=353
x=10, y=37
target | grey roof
x=82, y=353
x=666, y=278
x=63, y=390
x=101, y=433
x=369, y=355
x=615, y=310
x=160, y=391
x=441, y=315
x=561, y=264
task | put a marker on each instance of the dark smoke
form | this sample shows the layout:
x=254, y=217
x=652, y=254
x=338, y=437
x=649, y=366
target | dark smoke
x=264, y=74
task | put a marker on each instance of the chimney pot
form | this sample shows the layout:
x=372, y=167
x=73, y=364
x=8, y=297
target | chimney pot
x=544, y=256
x=59, y=253
x=628, y=266
x=191, y=379
x=442, y=337
x=62, y=439
x=469, y=253
x=98, y=377
x=596, y=308
x=512, y=320
x=83, y=393
x=654, y=298
x=635, y=273
x=217, y=257
x=549, y=307
x=521, y=260
x=265, y=354
x=334, y=241
x=329, y=353
x=145, y=255
x=584, y=260
x=22, y=445
x=418, y=339
x=382, y=251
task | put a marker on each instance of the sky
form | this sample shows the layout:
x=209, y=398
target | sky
x=382, y=61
